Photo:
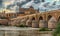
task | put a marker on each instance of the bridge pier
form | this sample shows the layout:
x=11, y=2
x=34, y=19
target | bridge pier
x=52, y=23
x=35, y=24
x=23, y=22
x=43, y=24
x=29, y=23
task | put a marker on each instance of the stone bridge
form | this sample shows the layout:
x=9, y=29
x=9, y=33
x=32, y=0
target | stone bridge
x=44, y=19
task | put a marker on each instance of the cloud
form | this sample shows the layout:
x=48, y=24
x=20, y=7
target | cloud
x=0, y=3
x=43, y=6
x=56, y=0
x=28, y=4
x=13, y=4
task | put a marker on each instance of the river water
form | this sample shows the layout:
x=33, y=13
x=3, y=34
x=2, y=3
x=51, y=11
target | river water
x=17, y=31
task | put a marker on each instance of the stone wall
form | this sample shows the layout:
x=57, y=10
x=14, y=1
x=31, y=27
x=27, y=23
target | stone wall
x=45, y=17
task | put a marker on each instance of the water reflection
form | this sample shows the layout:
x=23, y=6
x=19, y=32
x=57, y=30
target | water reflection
x=14, y=31
x=9, y=33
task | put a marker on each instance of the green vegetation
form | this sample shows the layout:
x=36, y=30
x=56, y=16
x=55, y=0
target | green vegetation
x=44, y=29
x=3, y=17
x=57, y=30
x=22, y=25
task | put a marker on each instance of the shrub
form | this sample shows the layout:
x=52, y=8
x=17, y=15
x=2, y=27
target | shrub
x=22, y=25
x=3, y=18
x=44, y=29
x=57, y=30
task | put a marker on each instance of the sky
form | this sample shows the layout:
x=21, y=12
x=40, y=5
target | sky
x=13, y=5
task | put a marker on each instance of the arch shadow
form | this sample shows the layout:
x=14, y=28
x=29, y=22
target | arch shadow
x=33, y=18
x=40, y=18
x=49, y=17
x=59, y=19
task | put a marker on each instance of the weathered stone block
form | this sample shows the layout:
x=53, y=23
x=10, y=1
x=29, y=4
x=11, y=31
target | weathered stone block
x=52, y=23
x=29, y=23
x=35, y=24
x=43, y=24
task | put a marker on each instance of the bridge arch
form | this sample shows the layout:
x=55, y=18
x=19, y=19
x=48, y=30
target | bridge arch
x=40, y=18
x=27, y=18
x=34, y=23
x=33, y=18
x=59, y=18
x=49, y=17
x=29, y=21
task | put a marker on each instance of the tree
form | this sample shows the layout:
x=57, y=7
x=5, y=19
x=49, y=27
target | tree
x=57, y=30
